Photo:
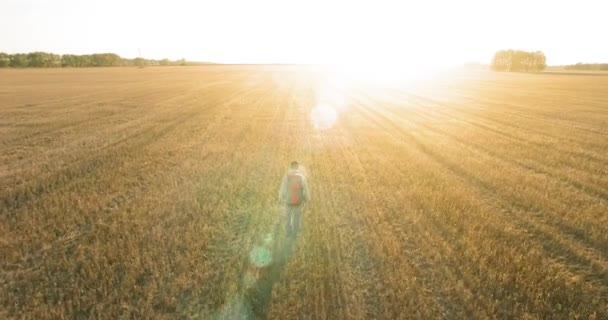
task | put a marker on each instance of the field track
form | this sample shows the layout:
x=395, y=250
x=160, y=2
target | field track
x=144, y=193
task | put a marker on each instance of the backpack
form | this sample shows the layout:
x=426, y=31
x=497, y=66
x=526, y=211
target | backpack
x=295, y=189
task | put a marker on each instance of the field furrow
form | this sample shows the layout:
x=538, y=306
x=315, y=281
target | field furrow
x=152, y=194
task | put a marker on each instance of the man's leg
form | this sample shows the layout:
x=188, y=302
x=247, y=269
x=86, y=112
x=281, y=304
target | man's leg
x=289, y=217
x=297, y=212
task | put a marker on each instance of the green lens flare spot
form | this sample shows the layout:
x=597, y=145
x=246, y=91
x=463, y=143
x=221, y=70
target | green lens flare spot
x=260, y=257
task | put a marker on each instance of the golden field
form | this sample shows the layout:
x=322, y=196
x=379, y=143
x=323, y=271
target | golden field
x=141, y=194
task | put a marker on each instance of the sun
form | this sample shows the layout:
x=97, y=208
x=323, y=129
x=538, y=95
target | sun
x=382, y=61
x=382, y=73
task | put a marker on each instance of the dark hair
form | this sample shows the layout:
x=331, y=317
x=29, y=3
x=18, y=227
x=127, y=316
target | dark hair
x=294, y=164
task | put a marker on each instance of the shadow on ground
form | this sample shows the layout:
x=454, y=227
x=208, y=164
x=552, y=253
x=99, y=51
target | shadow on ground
x=262, y=269
x=259, y=294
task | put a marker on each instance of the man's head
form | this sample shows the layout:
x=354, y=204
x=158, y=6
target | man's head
x=294, y=165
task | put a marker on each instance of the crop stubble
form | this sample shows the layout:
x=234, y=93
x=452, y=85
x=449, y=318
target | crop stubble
x=140, y=193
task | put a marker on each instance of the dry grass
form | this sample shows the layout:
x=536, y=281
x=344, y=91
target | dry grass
x=139, y=193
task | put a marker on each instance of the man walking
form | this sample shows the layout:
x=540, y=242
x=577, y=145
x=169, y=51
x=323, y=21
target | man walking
x=295, y=194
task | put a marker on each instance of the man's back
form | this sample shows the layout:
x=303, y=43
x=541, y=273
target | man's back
x=294, y=188
x=294, y=193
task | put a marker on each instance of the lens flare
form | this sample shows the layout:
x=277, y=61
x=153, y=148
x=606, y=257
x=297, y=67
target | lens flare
x=323, y=116
x=260, y=257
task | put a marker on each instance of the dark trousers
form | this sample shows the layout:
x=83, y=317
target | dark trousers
x=293, y=214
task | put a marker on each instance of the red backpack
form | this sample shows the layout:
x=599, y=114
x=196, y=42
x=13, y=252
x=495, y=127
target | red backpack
x=295, y=189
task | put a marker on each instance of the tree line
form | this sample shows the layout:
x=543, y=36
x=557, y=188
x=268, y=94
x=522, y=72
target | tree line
x=518, y=60
x=588, y=66
x=51, y=60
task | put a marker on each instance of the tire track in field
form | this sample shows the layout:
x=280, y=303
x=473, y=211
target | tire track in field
x=137, y=88
x=82, y=107
x=467, y=114
x=487, y=152
x=396, y=116
x=18, y=198
x=108, y=155
x=76, y=124
x=354, y=287
x=374, y=227
x=583, y=154
x=564, y=226
x=137, y=92
x=451, y=250
x=92, y=114
x=557, y=122
x=332, y=206
x=579, y=257
x=565, y=178
x=436, y=157
x=527, y=228
x=503, y=109
x=132, y=140
x=358, y=231
x=422, y=109
x=592, y=191
x=74, y=158
x=134, y=119
x=319, y=250
x=425, y=275
x=190, y=148
x=170, y=171
x=428, y=267
x=370, y=225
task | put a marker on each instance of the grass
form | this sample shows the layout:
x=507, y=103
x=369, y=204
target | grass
x=140, y=193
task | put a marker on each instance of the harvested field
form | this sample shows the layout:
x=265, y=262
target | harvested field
x=146, y=194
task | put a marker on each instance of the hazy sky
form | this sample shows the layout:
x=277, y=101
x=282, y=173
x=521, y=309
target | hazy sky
x=309, y=31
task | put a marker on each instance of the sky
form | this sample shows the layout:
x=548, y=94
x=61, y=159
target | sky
x=425, y=32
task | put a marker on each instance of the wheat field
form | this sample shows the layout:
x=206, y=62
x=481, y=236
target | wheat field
x=152, y=194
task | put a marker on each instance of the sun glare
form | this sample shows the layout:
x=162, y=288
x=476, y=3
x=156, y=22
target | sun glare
x=383, y=74
x=323, y=116
x=331, y=96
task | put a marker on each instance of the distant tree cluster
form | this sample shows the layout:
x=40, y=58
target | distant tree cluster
x=588, y=66
x=51, y=60
x=517, y=60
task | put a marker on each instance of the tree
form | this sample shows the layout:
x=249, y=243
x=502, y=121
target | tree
x=18, y=60
x=38, y=59
x=140, y=62
x=540, y=61
x=517, y=60
x=69, y=60
x=54, y=60
x=49, y=60
x=501, y=61
x=105, y=60
x=588, y=66
x=43, y=60
x=85, y=60
x=5, y=60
